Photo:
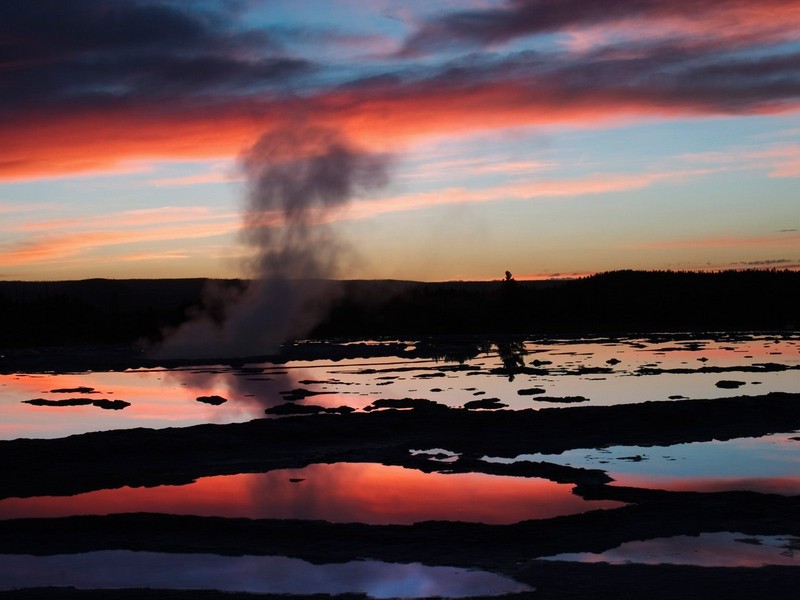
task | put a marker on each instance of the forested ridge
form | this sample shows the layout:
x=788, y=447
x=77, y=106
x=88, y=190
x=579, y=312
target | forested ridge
x=127, y=311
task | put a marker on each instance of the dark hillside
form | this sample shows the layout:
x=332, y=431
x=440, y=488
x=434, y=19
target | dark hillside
x=127, y=311
x=93, y=310
x=671, y=301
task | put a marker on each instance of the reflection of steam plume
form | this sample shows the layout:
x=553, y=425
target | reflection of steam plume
x=296, y=177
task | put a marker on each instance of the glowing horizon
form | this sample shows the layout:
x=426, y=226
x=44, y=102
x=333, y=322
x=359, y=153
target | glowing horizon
x=551, y=139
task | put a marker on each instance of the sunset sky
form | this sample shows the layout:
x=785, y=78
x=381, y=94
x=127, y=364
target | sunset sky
x=552, y=138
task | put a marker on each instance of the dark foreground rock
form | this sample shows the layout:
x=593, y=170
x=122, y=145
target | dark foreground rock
x=562, y=399
x=99, y=403
x=212, y=400
x=530, y=391
x=485, y=403
x=729, y=384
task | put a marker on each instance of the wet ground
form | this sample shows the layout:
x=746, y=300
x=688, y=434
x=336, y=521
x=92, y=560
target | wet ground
x=78, y=395
x=581, y=468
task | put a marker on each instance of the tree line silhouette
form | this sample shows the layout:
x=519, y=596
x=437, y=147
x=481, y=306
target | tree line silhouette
x=613, y=302
x=127, y=311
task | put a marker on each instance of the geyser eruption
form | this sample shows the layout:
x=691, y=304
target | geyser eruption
x=297, y=177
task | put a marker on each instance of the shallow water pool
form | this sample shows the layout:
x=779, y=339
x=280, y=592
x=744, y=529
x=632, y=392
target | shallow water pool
x=533, y=374
x=254, y=574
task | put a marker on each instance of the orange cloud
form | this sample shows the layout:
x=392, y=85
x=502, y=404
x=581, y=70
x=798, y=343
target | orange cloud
x=130, y=218
x=153, y=256
x=199, y=179
x=516, y=191
x=100, y=140
x=88, y=101
x=58, y=239
x=222, y=171
x=471, y=166
x=381, y=117
x=57, y=247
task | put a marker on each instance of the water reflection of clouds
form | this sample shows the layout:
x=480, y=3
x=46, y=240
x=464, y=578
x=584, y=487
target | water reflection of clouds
x=167, y=397
x=768, y=464
x=152, y=403
x=341, y=492
x=253, y=574
x=246, y=396
x=250, y=392
x=721, y=549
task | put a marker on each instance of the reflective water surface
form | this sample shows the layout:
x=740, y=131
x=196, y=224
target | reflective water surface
x=530, y=375
x=254, y=574
x=342, y=492
x=721, y=549
x=768, y=464
x=593, y=371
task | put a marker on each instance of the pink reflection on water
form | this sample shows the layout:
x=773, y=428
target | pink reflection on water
x=690, y=354
x=251, y=393
x=151, y=404
x=157, y=399
x=162, y=397
x=720, y=549
x=342, y=492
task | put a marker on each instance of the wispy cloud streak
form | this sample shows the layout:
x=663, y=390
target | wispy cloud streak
x=517, y=191
x=56, y=240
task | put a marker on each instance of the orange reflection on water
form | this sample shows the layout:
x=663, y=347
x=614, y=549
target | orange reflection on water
x=155, y=400
x=710, y=549
x=342, y=492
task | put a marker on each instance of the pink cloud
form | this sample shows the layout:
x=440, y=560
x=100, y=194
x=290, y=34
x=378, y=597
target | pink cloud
x=153, y=256
x=129, y=218
x=58, y=247
x=379, y=116
x=554, y=188
x=780, y=160
x=515, y=191
x=220, y=172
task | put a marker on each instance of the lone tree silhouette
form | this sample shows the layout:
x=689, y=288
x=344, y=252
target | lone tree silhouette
x=509, y=276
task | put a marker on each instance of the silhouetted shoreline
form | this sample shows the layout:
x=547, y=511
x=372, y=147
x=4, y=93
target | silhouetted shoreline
x=142, y=312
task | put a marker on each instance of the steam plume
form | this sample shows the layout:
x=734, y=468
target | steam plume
x=296, y=178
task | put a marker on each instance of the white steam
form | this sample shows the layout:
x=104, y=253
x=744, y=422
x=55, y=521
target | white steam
x=297, y=177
